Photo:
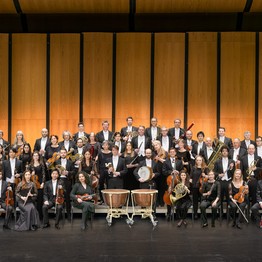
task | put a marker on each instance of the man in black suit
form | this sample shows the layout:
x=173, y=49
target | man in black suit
x=165, y=140
x=67, y=176
x=81, y=133
x=3, y=142
x=51, y=188
x=208, y=150
x=126, y=132
x=247, y=141
x=200, y=146
x=116, y=169
x=251, y=166
x=12, y=168
x=237, y=152
x=8, y=209
x=224, y=169
x=104, y=134
x=176, y=132
x=153, y=131
x=42, y=143
x=140, y=143
x=258, y=205
x=259, y=146
x=67, y=143
x=121, y=144
x=226, y=140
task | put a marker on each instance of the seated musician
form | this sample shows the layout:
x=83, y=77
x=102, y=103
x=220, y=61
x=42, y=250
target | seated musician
x=4, y=187
x=171, y=168
x=116, y=169
x=238, y=191
x=210, y=191
x=53, y=197
x=81, y=195
x=258, y=206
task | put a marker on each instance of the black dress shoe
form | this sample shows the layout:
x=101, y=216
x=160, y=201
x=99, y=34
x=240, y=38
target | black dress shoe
x=238, y=226
x=168, y=217
x=57, y=226
x=233, y=224
x=6, y=227
x=196, y=217
x=205, y=225
x=180, y=223
x=84, y=227
x=213, y=225
x=185, y=223
x=46, y=225
x=33, y=228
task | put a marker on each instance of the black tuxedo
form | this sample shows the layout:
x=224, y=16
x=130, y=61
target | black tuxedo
x=5, y=143
x=123, y=131
x=148, y=132
x=71, y=144
x=100, y=136
x=204, y=154
x=167, y=167
x=171, y=132
x=227, y=141
x=116, y=182
x=201, y=151
x=218, y=168
x=255, y=208
x=169, y=139
x=243, y=144
x=37, y=146
x=146, y=145
x=4, y=187
x=242, y=152
x=123, y=146
x=76, y=136
x=69, y=168
x=7, y=172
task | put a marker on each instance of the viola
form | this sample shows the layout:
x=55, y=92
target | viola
x=9, y=201
x=59, y=196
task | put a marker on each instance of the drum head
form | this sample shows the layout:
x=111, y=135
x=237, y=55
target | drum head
x=145, y=173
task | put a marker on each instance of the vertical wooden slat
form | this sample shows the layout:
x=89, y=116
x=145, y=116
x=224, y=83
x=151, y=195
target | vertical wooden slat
x=260, y=88
x=64, y=82
x=169, y=77
x=4, y=84
x=133, y=78
x=28, y=85
x=97, y=86
x=202, y=82
x=238, y=83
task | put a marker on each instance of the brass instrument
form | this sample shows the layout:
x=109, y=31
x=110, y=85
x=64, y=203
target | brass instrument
x=76, y=157
x=180, y=191
x=110, y=165
x=84, y=139
x=131, y=134
x=216, y=154
x=250, y=168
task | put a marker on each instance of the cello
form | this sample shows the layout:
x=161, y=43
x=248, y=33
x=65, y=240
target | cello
x=171, y=181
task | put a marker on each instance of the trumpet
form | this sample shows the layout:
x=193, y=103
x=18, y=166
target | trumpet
x=250, y=168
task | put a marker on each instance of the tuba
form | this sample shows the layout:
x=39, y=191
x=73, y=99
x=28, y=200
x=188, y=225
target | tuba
x=216, y=154
x=180, y=191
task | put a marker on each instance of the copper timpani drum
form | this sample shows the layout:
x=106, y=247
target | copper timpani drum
x=143, y=201
x=117, y=202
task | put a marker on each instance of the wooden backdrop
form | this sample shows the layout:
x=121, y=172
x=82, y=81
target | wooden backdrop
x=57, y=80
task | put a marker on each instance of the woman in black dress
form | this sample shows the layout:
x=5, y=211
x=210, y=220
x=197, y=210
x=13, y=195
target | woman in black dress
x=183, y=155
x=26, y=156
x=81, y=195
x=53, y=148
x=93, y=146
x=26, y=194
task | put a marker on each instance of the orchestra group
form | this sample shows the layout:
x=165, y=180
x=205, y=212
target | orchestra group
x=200, y=173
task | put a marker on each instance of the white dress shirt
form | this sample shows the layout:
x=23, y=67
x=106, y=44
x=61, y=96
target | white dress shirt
x=247, y=142
x=54, y=183
x=209, y=151
x=199, y=147
x=141, y=139
x=43, y=142
x=225, y=166
x=106, y=135
x=259, y=151
x=1, y=182
x=115, y=161
x=154, y=132
x=12, y=179
x=149, y=162
x=173, y=162
x=177, y=133
x=66, y=144
x=236, y=153
x=118, y=143
x=165, y=143
x=222, y=139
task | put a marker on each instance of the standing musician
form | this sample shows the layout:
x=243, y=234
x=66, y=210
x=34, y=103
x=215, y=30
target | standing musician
x=140, y=143
x=26, y=156
x=176, y=132
x=165, y=140
x=153, y=131
x=12, y=168
x=81, y=132
x=251, y=165
x=184, y=203
x=104, y=134
x=3, y=142
x=82, y=196
x=19, y=141
x=52, y=148
x=224, y=170
x=2, y=155
x=127, y=131
x=171, y=168
x=247, y=141
x=208, y=150
x=116, y=169
x=67, y=143
x=67, y=176
x=189, y=144
x=198, y=175
x=42, y=143
x=53, y=197
x=26, y=193
x=221, y=136
x=117, y=142
x=200, y=147
x=6, y=189
x=183, y=154
x=258, y=206
x=210, y=197
x=149, y=162
x=93, y=146
x=238, y=192
x=78, y=153
x=237, y=152
x=259, y=146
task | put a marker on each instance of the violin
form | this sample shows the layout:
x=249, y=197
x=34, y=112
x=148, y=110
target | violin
x=34, y=178
x=19, y=151
x=202, y=180
x=9, y=201
x=17, y=179
x=85, y=197
x=240, y=196
x=52, y=159
x=59, y=196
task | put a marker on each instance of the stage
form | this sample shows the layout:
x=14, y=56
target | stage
x=140, y=242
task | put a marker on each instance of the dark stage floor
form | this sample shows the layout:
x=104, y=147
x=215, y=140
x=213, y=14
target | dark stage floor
x=138, y=243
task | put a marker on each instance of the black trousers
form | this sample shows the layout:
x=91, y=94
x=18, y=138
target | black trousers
x=255, y=211
x=196, y=198
x=234, y=209
x=224, y=192
x=203, y=206
x=8, y=213
x=252, y=187
x=59, y=209
x=68, y=188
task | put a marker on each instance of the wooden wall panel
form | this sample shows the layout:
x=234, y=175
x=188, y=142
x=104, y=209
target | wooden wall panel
x=238, y=83
x=202, y=83
x=98, y=49
x=28, y=85
x=75, y=6
x=256, y=6
x=169, y=78
x=260, y=87
x=189, y=6
x=4, y=84
x=133, y=59
x=7, y=7
x=64, y=82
